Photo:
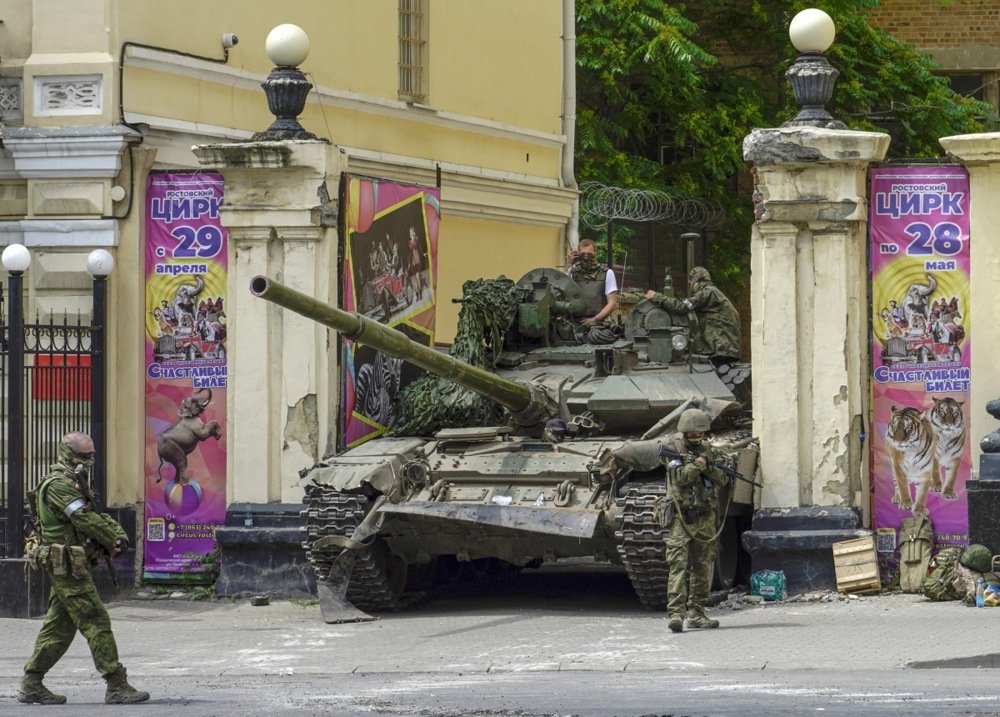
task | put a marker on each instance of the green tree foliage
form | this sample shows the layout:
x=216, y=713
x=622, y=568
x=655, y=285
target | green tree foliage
x=689, y=80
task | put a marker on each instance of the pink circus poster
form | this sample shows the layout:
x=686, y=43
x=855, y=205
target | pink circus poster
x=186, y=381
x=921, y=348
x=390, y=275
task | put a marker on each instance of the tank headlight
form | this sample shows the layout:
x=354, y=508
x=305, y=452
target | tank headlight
x=679, y=342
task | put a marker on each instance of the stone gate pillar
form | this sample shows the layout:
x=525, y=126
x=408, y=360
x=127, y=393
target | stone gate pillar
x=283, y=401
x=980, y=153
x=810, y=344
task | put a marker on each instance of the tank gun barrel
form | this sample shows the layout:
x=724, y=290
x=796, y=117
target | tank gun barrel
x=519, y=398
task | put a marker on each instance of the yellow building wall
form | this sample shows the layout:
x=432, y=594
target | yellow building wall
x=485, y=250
x=492, y=121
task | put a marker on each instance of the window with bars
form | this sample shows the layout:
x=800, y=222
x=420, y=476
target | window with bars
x=413, y=50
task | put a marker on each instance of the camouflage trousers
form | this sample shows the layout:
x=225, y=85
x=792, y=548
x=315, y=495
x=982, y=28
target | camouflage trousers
x=74, y=605
x=690, y=557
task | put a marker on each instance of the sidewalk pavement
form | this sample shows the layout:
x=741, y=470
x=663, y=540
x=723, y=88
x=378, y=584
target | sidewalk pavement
x=822, y=631
x=607, y=632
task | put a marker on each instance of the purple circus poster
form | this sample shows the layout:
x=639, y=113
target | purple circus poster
x=186, y=381
x=921, y=345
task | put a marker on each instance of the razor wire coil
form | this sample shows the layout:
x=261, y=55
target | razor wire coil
x=600, y=204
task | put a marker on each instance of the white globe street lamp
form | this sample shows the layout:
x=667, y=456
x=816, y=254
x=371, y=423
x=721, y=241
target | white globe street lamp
x=100, y=263
x=286, y=87
x=16, y=258
x=812, y=76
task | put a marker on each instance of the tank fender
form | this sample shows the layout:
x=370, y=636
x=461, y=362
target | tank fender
x=379, y=463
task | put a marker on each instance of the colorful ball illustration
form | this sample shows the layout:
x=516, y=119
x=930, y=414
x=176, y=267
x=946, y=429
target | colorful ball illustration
x=183, y=499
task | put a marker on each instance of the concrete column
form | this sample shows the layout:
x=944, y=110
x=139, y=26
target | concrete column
x=980, y=153
x=810, y=341
x=283, y=399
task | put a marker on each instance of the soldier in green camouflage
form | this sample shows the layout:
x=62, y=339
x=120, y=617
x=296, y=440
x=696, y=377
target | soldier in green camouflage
x=693, y=482
x=719, y=323
x=71, y=532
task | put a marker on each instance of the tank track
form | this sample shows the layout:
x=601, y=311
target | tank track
x=333, y=512
x=640, y=542
x=373, y=586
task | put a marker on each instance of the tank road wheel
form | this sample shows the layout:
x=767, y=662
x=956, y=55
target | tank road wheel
x=640, y=543
x=379, y=577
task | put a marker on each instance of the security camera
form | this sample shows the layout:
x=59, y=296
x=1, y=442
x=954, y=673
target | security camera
x=229, y=39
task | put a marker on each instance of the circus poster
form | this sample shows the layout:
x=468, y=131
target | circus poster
x=390, y=276
x=921, y=347
x=186, y=381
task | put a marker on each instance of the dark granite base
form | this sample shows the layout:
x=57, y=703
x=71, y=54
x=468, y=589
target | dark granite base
x=260, y=552
x=983, y=497
x=798, y=541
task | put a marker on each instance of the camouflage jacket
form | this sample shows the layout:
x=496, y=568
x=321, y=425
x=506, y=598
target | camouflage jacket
x=695, y=489
x=718, y=334
x=67, y=517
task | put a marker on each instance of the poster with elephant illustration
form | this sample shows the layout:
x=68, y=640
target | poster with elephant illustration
x=186, y=380
x=921, y=347
x=390, y=272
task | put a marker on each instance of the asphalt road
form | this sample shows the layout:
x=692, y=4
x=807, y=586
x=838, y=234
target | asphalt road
x=553, y=642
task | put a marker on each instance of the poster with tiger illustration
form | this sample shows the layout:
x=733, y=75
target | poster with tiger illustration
x=389, y=275
x=921, y=347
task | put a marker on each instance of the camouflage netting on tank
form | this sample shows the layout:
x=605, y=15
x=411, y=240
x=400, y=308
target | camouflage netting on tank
x=431, y=403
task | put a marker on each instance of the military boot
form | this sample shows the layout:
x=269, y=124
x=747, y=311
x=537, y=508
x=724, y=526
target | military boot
x=120, y=692
x=697, y=619
x=33, y=692
x=676, y=623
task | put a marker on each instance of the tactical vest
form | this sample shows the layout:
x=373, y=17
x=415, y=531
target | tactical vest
x=591, y=285
x=702, y=496
x=56, y=527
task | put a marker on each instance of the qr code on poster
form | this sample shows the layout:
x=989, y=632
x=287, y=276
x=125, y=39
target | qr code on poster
x=156, y=530
x=886, y=541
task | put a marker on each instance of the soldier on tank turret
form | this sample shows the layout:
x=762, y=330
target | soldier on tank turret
x=718, y=334
x=693, y=481
x=599, y=287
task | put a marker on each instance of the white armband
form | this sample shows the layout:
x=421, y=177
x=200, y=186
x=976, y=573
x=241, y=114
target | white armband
x=74, y=506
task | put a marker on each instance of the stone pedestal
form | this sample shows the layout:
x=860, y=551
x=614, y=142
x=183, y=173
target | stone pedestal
x=261, y=548
x=799, y=542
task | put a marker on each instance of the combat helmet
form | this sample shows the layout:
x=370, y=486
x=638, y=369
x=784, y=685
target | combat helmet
x=699, y=274
x=693, y=421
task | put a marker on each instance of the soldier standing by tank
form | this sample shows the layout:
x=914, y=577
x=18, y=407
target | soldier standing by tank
x=71, y=531
x=719, y=323
x=693, y=482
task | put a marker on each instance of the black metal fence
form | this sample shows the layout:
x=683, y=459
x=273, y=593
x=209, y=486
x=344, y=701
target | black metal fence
x=55, y=383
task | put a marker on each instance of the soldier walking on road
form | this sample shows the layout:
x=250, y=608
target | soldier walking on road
x=72, y=533
x=693, y=481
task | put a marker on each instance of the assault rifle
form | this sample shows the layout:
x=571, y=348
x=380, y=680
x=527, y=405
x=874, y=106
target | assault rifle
x=83, y=480
x=732, y=473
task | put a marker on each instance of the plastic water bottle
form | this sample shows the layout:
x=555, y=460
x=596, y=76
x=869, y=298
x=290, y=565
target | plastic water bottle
x=980, y=593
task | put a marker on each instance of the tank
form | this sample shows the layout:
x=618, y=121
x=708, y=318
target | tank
x=563, y=465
